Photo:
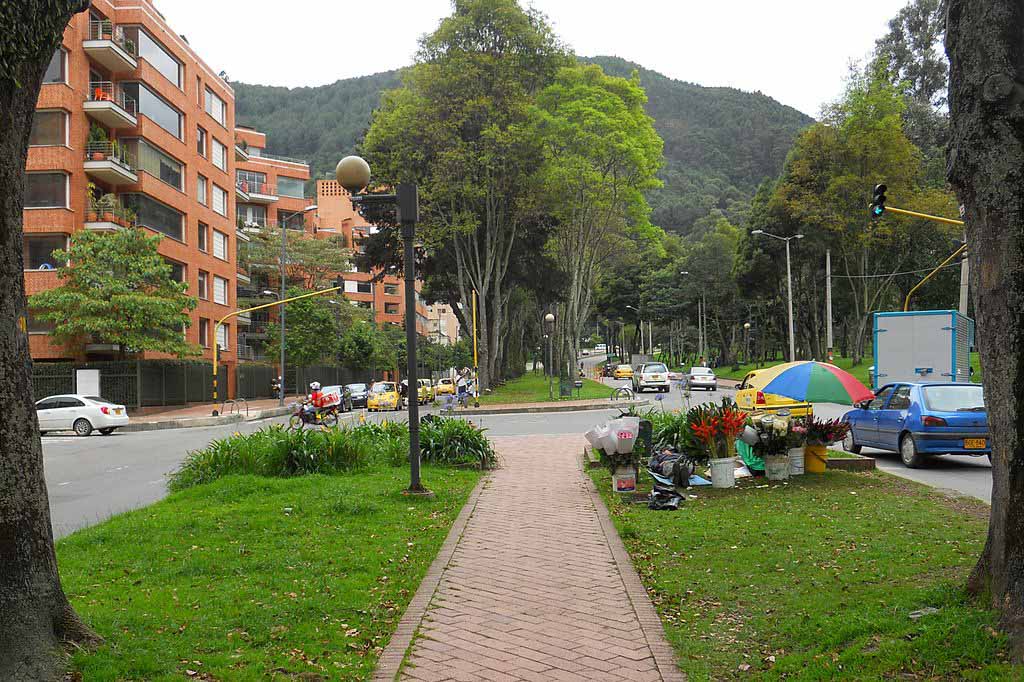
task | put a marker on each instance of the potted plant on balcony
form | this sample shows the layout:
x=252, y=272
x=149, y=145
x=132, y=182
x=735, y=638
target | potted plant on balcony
x=91, y=199
x=107, y=206
x=106, y=30
x=97, y=137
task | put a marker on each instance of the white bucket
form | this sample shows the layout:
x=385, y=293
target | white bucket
x=723, y=472
x=776, y=468
x=624, y=480
x=796, y=461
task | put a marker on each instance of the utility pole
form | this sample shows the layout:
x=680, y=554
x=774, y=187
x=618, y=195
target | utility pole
x=284, y=256
x=789, y=280
x=828, y=304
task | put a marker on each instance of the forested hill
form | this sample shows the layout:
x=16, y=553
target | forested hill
x=720, y=143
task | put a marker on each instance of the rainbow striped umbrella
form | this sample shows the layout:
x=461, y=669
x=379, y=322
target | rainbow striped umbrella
x=812, y=382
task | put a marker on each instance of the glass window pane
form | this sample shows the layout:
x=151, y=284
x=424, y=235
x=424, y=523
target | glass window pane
x=222, y=336
x=38, y=251
x=156, y=163
x=46, y=190
x=204, y=284
x=220, y=155
x=55, y=71
x=290, y=187
x=220, y=245
x=201, y=240
x=252, y=214
x=220, y=201
x=154, y=53
x=215, y=107
x=177, y=271
x=220, y=290
x=48, y=128
x=201, y=190
x=156, y=216
x=201, y=141
x=155, y=108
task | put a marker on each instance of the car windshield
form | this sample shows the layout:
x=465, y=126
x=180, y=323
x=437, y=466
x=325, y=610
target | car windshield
x=954, y=398
x=356, y=388
x=625, y=367
x=97, y=399
x=700, y=370
x=447, y=382
x=383, y=387
x=655, y=369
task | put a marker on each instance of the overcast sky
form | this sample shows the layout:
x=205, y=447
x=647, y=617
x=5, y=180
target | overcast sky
x=796, y=51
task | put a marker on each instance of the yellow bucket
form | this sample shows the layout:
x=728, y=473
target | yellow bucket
x=815, y=457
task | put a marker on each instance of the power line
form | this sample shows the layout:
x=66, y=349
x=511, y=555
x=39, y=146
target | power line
x=895, y=274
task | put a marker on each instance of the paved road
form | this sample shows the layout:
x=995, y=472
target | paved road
x=90, y=479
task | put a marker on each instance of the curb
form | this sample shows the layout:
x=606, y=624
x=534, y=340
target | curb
x=859, y=463
x=391, y=659
x=198, y=422
x=554, y=408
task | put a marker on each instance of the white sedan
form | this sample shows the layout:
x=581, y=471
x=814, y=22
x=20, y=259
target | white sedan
x=81, y=414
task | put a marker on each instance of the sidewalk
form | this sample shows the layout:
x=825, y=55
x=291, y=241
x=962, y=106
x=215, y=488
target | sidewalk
x=532, y=584
x=202, y=415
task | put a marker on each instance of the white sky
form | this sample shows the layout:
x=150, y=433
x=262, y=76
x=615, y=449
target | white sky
x=796, y=51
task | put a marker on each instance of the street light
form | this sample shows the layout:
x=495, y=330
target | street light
x=549, y=330
x=746, y=342
x=789, y=286
x=353, y=173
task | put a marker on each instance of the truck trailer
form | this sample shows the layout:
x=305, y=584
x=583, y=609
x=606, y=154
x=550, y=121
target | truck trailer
x=922, y=345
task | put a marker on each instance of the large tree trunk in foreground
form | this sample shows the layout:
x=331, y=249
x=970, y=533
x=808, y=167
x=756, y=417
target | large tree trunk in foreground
x=985, y=43
x=35, y=616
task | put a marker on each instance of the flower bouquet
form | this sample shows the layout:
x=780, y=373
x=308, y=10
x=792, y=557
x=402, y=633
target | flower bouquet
x=717, y=427
x=774, y=437
x=824, y=432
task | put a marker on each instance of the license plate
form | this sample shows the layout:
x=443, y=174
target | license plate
x=118, y=411
x=974, y=443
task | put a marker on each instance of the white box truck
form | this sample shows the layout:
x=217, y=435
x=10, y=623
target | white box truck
x=922, y=345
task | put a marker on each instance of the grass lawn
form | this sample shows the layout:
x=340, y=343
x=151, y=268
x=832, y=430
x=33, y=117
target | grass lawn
x=220, y=580
x=816, y=580
x=860, y=371
x=533, y=388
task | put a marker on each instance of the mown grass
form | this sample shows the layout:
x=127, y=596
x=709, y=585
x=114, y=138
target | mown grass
x=816, y=580
x=251, y=578
x=859, y=371
x=533, y=388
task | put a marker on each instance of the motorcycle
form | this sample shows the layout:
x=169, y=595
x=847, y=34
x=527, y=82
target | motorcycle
x=318, y=416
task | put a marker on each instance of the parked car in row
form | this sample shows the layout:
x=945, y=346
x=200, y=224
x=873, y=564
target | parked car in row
x=425, y=394
x=922, y=419
x=358, y=393
x=445, y=386
x=651, y=375
x=344, y=397
x=384, y=395
x=623, y=372
x=81, y=414
x=703, y=378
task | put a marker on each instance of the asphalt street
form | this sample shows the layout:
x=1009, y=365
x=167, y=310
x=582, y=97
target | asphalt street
x=90, y=479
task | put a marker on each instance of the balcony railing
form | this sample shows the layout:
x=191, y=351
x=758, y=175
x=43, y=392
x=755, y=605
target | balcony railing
x=106, y=30
x=106, y=91
x=287, y=159
x=251, y=187
x=110, y=151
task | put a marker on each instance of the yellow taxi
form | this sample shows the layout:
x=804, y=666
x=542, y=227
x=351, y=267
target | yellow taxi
x=623, y=372
x=383, y=395
x=751, y=399
x=425, y=392
x=445, y=387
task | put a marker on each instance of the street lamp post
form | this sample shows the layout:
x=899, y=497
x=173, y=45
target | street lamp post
x=549, y=330
x=280, y=297
x=353, y=173
x=284, y=256
x=746, y=342
x=789, y=286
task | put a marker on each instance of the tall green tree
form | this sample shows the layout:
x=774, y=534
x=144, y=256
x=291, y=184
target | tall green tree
x=313, y=329
x=459, y=129
x=311, y=262
x=117, y=289
x=35, y=615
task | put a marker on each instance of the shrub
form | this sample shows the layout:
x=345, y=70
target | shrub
x=456, y=442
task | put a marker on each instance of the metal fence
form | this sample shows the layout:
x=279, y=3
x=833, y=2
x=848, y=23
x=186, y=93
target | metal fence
x=135, y=383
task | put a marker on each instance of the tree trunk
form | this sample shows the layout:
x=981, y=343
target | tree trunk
x=985, y=44
x=35, y=616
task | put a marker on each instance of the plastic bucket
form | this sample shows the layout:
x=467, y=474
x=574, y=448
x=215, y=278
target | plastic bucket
x=815, y=457
x=723, y=472
x=796, y=461
x=776, y=468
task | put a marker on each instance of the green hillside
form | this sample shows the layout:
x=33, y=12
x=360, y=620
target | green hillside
x=720, y=143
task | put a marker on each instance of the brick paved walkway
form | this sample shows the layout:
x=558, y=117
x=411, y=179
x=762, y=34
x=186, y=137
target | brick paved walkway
x=533, y=589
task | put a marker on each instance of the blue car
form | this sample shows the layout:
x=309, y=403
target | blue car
x=919, y=419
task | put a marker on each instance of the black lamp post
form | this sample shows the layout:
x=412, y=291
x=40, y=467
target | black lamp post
x=353, y=173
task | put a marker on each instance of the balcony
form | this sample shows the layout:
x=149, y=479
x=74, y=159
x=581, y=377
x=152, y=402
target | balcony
x=241, y=195
x=244, y=320
x=107, y=45
x=109, y=105
x=109, y=162
x=241, y=152
x=101, y=218
x=258, y=192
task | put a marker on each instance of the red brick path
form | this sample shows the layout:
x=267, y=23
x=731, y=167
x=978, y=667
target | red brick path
x=538, y=587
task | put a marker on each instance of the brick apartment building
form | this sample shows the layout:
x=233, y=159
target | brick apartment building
x=128, y=107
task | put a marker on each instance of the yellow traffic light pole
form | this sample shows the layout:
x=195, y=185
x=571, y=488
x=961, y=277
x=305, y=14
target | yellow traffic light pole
x=915, y=214
x=957, y=254
x=216, y=346
x=936, y=219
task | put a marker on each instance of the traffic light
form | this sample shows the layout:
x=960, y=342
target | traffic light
x=878, y=201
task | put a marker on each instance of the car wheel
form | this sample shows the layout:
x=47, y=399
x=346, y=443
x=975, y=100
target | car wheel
x=107, y=431
x=908, y=453
x=850, y=443
x=82, y=427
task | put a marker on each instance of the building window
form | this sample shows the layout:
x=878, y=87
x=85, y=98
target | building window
x=220, y=155
x=364, y=287
x=201, y=141
x=290, y=187
x=38, y=250
x=46, y=190
x=365, y=305
x=49, y=128
x=252, y=215
x=33, y=325
x=222, y=336
x=215, y=107
x=292, y=220
x=204, y=332
x=202, y=232
x=220, y=245
x=156, y=216
x=391, y=289
x=154, y=53
x=177, y=270
x=155, y=108
x=203, y=290
x=201, y=190
x=161, y=166
x=250, y=181
x=220, y=290
x=391, y=308
x=56, y=72
x=220, y=201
